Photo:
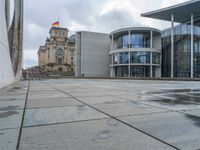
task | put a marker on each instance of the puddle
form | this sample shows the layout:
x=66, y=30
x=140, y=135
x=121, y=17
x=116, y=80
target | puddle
x=172, y=102
x=185, y=98
x=13, y=99
x=175, y=99
x=104, y=135
x=16, y=88
x=174, y=91
x=80, y=108
x=194, y=94
x=8, y=108
x=112, y=123
x=195, y=119
x=8, y=114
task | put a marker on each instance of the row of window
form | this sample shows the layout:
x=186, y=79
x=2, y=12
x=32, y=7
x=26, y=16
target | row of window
x=137, y=40
x=136, y=57
x=135, y=71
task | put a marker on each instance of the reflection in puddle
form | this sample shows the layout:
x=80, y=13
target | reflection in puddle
x=8, y=114
x=185, y=98
x=195, y=119
x=172, y=102
x=174, y=91
x=9, y=107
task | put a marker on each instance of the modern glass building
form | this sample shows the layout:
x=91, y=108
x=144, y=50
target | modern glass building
x=135, y=52
x=181, y=43
x=182, y=52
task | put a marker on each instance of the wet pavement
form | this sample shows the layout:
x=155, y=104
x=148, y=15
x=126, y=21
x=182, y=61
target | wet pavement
x=88, y=114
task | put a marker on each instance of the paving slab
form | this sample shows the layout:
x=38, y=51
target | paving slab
x=10, y=119
x=137, y=97
x=87, y=94
x=101, y=99
x=46, y=94
x=88, y=135
x=8, y=139
x=11, y=104
x=43, y=116
x=52, y=102
x=12, y=97
x=179, y=130
x=128, y=108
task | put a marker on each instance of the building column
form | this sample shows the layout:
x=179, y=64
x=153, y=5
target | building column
x=172, y=45
x=192, y=45
x=111, y=48
x=151, y=67
x=129, y=53
x=151, y=55
x=151, y=39
x=112, y=66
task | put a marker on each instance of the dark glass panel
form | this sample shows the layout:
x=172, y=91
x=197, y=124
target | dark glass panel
x=140, y=57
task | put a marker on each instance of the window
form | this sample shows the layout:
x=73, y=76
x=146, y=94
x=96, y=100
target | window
x=48, y=53
x=156, y=58
x=140, y=57
x=122, y=41
x=124, y=58
x=116, y=58
x=59, y=61
x=139, y=40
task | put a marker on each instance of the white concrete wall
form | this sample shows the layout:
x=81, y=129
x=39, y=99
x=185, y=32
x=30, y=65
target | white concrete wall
x=78, y=55
x=157, y=42
x=94, y=51
x=6, y=71
x=158, y=72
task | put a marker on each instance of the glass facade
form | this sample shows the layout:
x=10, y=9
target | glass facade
x=155, y=58
x=140, y=57
x=140, y=71
x=182, y=51
x=122, y=41
x=121, y=71
x=121, y=58
x=116, y=58
x=137, y=40
x=124, y=58
x=140, y=40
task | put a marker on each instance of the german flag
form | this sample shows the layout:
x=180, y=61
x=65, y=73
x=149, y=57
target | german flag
x=55, y=24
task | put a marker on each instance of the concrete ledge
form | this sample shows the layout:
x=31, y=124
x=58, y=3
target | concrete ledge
x=125, y=78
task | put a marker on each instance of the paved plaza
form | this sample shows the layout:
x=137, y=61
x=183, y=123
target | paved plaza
x=98, y=114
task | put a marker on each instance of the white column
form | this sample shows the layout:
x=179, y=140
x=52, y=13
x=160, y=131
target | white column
x=151, y=38
x=111, y=65
x=129, y=55
x=172, y=45
x=192, y=44
x=151, y=68
x=151, y=55
x=111, y=42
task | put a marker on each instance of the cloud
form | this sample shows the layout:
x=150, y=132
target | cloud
x=30, y=57
x=92, y=15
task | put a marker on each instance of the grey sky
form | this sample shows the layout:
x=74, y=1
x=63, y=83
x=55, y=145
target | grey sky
x=92, y=15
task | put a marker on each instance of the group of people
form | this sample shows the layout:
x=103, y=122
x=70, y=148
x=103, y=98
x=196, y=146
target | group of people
x=34, y=73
